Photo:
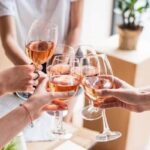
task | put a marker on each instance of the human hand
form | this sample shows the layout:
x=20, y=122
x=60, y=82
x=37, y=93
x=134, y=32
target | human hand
x=125, y=97
x=42, y=98
x=18, y=78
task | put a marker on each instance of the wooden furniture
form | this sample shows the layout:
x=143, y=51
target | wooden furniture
x=133, y=67
x=82, y=137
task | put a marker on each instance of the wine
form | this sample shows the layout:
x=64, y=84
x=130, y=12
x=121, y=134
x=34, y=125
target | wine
x=88, y=71
x=94, y=83
x=60, y=84
x=40, y=51
x=63, y=83
x=58, y=69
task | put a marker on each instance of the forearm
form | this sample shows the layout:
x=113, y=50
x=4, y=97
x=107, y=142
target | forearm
x=9, y=41
x=12, y=124
x=2, y=86
x=14, y=52
x=17, y=120
x=73, y=37
x=75, y=23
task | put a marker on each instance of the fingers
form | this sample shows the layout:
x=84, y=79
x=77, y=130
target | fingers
x=63, y=95
x=109, y=100
x=27, y=89
x=36, y=75
x=111, y=105
x=60, y=103
x=130, y=107
x=127, y=96
x=51, y=107
x=59, y=99
x=27, y=68
x=42, y=85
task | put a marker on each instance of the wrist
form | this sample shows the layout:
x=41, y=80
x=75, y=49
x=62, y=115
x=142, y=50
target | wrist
x=33, y=109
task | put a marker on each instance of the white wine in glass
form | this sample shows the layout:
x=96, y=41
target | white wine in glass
x=40, y=45
x=93, y=85
x=63, y=78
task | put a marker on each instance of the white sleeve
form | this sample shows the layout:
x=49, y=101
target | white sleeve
x=7, y=8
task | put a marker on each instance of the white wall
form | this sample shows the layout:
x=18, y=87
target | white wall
x=97, y=21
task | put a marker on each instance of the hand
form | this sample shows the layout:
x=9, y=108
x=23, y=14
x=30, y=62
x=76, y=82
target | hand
x=41, y=98
x=18, y=78
x=126, y=97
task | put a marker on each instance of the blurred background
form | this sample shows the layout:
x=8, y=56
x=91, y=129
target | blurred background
x=100, y=28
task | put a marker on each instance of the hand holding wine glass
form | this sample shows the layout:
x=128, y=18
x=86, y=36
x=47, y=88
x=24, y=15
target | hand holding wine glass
x=104, y=80
x=40, y=45
x=62, y=78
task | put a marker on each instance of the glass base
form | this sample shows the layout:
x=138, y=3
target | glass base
x=108, y=136
x=23, y=96
x=60, y=135
x=91, y=113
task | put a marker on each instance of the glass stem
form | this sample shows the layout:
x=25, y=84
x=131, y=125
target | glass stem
x=105, y=122
x=58, y=121
x=91, y=103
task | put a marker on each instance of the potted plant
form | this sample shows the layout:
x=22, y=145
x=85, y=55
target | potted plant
x=130, y=28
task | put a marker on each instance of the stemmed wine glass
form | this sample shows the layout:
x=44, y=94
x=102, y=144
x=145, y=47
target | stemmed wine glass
x=93, y=84
x=64, y=76
x=40, y=45
x=82, y=51
x=105, y=81
x=90, y=71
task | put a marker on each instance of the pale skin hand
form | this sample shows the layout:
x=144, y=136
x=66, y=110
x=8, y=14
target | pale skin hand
x=125, y=96
x=35, y=105
x=9, y=38
x=18, y=78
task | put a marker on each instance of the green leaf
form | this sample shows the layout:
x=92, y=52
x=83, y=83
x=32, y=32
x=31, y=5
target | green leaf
x=140, y=9
x=126, y=9
x=120, y=5
x=11, y=146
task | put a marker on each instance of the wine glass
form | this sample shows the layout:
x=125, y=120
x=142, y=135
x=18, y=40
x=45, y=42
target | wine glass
x=104, y=80
x=62, y=49
x=82, y=51
x=64, y=76
x=90, y=71
x=40, y=45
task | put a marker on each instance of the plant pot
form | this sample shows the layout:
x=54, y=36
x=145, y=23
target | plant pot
x=128, y=38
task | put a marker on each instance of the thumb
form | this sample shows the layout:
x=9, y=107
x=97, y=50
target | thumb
x=50, y=96
x=42, y=85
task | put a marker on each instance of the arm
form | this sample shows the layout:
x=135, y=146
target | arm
x=9, y=41
x=76, y=13
x=9, y=122
x=35, y=105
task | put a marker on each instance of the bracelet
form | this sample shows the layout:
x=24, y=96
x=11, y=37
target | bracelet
x=30, y=117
